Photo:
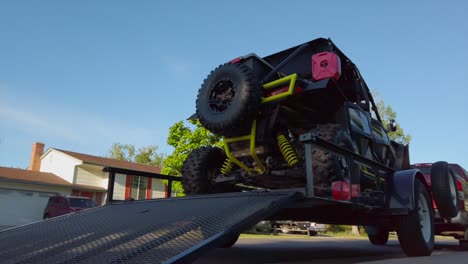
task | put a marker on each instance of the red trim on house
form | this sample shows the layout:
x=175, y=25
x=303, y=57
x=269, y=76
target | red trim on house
x=149, y=191
x=98, y=198
x=128, y=184
x=87, y=194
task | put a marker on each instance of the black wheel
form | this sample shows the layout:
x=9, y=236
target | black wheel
x=464, y=241
x=199, y=169
x=416, y=230
x=380, y=238
x=328, y=167
x=228, y=100
x=230, y=242
x=46, y=216
x=444, y=190
x=312, y=233
x=463, y=244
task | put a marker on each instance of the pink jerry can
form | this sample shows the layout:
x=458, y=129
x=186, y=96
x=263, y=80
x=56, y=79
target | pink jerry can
x=326, y=65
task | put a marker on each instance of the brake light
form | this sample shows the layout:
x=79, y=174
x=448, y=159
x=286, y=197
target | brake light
x=355, y=190
x=326, y=65
x=341, y=190
x=236, y=60
x=461, y=195
x=277, y=91
x=459, y=185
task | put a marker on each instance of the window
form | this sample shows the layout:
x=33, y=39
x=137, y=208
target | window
x=82, y=203
x=456, y=173
x=425, y=170
x=138, y=187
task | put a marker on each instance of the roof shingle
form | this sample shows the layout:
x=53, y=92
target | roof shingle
x=107, y=162
x=38, y=177
x=32, y=176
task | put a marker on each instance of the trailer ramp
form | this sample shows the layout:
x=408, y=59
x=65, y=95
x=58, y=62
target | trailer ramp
x=173, y=230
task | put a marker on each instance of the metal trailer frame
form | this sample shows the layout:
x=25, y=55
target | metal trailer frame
x=131, y=231
x=395, y=192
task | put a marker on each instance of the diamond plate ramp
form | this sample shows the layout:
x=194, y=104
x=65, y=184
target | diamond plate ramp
x=155, y=231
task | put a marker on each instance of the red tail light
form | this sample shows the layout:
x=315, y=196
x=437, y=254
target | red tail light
x=461, y=195
x=341, y=190
x=276, y=91
x=236, y=60
x=459, y=185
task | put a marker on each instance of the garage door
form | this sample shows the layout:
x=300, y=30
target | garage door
x=21, y=207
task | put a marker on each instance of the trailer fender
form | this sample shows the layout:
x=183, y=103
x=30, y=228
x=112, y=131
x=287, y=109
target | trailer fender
x=400, y=186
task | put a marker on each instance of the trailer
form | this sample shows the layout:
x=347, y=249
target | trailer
x=311, y=131
x=178, y=230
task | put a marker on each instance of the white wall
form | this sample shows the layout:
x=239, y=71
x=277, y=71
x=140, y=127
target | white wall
x=91, y=175
x=35, y=187
x=158, y=189
x=59, y=164
x=20, y=207
x=119, y=186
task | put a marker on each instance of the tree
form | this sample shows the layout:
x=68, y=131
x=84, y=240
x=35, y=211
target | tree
x=144, y=155
x=185, y=138
x=387, y=114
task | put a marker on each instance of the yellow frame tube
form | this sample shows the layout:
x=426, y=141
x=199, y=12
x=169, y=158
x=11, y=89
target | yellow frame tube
x=292, y=83
x=259, y=166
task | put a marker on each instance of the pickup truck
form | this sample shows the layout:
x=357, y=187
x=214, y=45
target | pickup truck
x=457, y=226
x=311, y=228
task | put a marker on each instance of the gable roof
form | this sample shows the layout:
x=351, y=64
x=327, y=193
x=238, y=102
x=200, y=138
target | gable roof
x=32, y=176
x=107, y=162
x=42, y=178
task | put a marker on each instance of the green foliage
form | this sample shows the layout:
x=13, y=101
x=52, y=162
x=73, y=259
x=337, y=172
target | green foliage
x=145, y=155
x=386, y=113
x=345, y=229
x=338, y=228
x=122, y=152
x=185, y=137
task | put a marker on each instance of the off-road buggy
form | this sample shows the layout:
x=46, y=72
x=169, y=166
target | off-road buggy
x=261, y=105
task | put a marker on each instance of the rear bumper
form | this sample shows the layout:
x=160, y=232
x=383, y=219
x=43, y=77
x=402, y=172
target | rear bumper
x=455, y=227
x=461, y=218
x=317, y=229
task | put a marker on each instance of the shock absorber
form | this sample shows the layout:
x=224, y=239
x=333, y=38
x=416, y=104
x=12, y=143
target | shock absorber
x=227, y=167
x=287, y=150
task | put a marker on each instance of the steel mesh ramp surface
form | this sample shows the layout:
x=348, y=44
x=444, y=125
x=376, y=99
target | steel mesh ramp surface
x=156, y=231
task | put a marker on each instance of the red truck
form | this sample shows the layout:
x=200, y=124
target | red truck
x=456, y=226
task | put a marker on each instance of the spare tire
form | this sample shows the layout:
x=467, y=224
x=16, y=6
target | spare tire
x=444, y=189
x=228, y=100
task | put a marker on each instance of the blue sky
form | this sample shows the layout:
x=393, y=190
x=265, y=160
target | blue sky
x=81, y=75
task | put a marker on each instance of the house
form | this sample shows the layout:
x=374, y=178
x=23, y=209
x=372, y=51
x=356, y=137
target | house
x=24, y=193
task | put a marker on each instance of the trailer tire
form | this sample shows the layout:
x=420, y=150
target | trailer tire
x=416, y=230
x=328, y=167
x=228, y=100
x=380, y=238
x=444, y=190
x=198, y=171
x=230, y=242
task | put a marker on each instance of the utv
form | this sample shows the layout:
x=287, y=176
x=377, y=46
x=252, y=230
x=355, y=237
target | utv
x=261, y=105
x=305, y=118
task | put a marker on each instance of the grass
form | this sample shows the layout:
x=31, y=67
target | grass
x=328, y=234
x=304, y=236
